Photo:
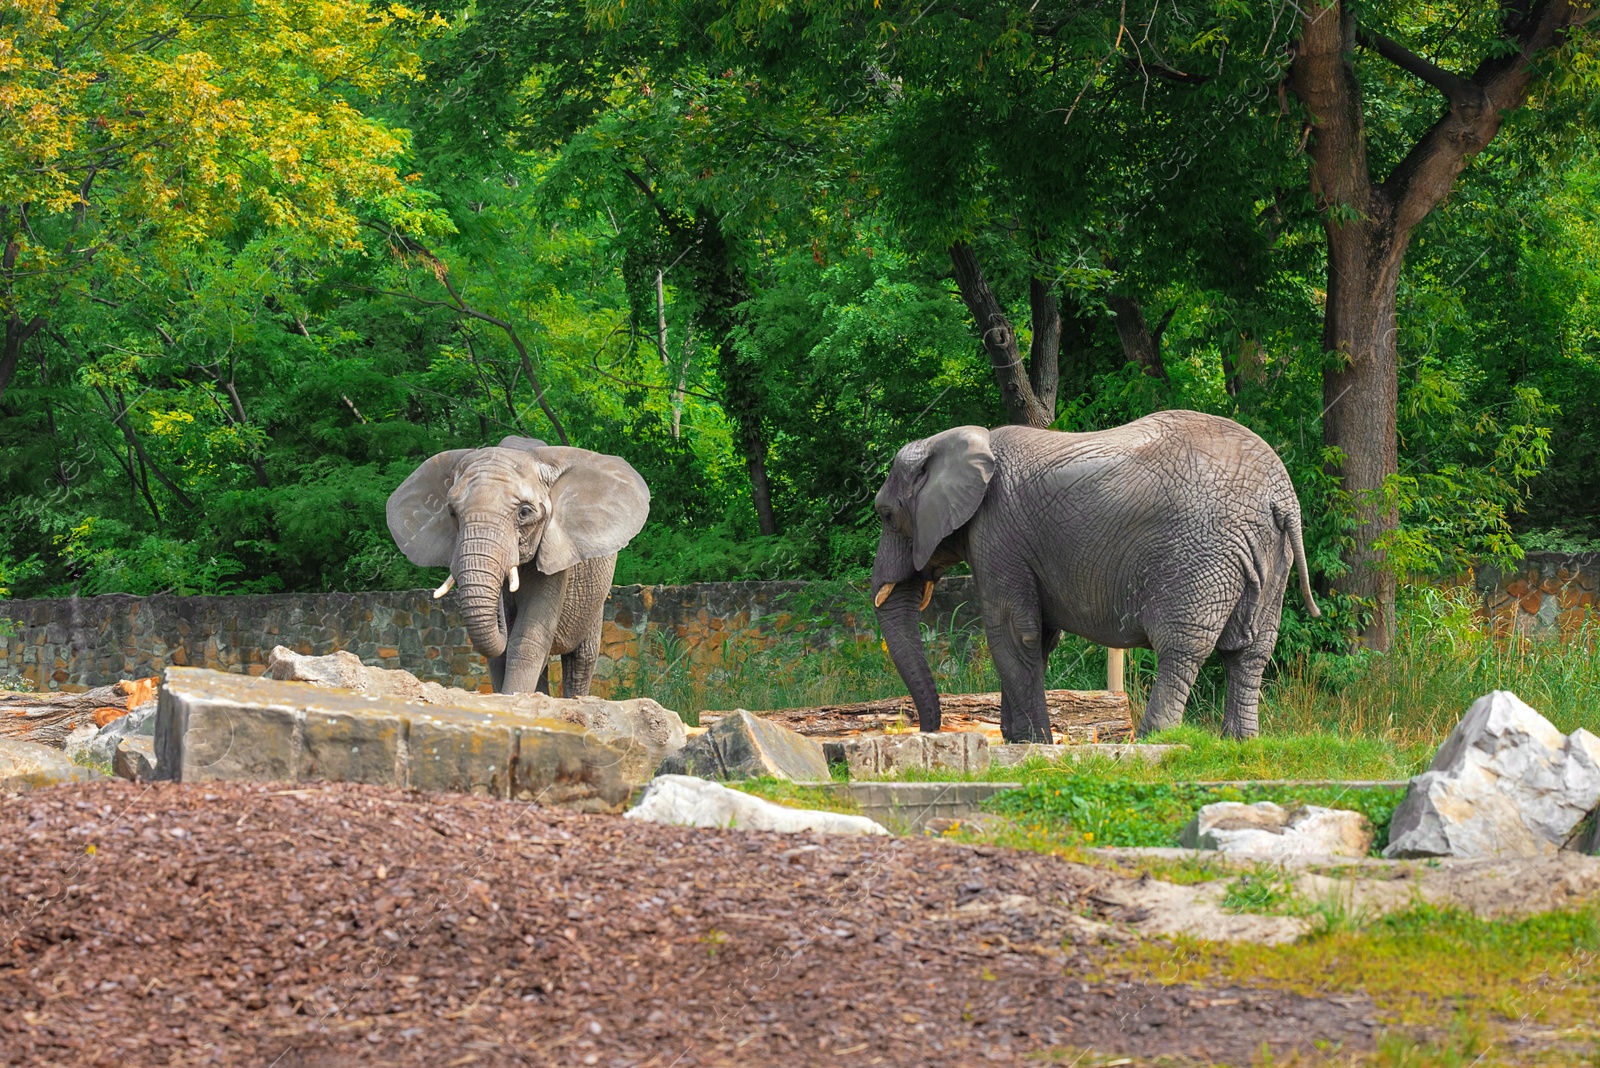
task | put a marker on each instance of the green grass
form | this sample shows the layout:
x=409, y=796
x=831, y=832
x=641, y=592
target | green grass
x=1119, y=812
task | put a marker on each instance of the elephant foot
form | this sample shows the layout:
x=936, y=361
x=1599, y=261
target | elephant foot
x=1031, y=734
x=1238, y=729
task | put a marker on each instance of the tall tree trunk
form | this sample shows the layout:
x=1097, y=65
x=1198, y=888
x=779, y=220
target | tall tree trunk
x=18, y=331
x=1368, y=225
x=1024, y=407
x=1140, y=344
x=724, y=289
x=1044, y=352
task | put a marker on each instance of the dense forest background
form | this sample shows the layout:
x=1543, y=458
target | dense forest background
x=261, y=257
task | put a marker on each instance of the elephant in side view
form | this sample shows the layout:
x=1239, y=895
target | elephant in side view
x=1175, y=532
x=489, y=513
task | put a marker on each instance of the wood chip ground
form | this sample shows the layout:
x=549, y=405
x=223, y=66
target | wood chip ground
x=246, y=924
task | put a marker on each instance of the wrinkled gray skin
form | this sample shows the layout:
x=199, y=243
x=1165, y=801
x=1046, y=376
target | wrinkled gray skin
x=559, y=515
x=1175, y=532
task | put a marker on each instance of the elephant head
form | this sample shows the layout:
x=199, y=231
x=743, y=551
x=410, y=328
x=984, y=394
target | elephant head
x=934, y=487
x=485, y=513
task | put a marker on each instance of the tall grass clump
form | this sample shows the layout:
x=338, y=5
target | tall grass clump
x=1443, y=658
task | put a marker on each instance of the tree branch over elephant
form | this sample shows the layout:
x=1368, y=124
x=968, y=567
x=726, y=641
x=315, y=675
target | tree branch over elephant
x=1175, y=532
x=489, y=513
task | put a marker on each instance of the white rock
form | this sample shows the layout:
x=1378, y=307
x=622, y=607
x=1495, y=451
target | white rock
x=1505, y=783
x=1270, y=831
x=687, y=801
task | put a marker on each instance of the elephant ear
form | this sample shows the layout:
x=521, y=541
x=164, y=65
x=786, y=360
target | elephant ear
x=419, y=511
x=955, y=475
x=525, y=444
x=597, y=504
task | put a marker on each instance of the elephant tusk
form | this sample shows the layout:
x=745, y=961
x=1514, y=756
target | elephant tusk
x=515, y=581
x=883, y=594
x=927, y=595
x=442, y=590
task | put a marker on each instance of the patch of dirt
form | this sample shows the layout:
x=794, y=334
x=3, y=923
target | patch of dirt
x=245, y=924
x=1498, y=888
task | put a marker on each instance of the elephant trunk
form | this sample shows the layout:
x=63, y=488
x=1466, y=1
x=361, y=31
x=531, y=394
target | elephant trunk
x=899, y=593
x=481, y=568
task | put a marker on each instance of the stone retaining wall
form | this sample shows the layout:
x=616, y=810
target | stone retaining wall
x=73, y=643
x=1548, y=594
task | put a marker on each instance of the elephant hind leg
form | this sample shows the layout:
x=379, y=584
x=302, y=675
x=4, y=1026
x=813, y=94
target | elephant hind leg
x=1175, y=674
x=1240, y=712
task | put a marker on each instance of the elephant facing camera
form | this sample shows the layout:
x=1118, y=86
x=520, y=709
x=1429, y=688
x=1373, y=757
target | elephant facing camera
x=1176, y=532
x=530, y=533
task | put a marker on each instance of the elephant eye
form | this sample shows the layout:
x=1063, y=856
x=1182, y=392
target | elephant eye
x=525, y=513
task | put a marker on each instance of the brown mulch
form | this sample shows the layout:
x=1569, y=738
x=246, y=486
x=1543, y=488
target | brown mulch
x=244, y=924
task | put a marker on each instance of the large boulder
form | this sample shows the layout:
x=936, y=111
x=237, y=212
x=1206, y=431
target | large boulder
x=1505, y=783
x=135, y=759
x=745, y=746
x=213, y=725
x=687, y=801
x=645, y=731
x=1270, y=831
x=30, y=765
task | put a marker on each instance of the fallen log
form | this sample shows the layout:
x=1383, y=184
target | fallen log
x=1076, y=715
x=49, y=717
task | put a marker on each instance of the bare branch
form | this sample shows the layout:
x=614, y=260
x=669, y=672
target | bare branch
x=1461, y=92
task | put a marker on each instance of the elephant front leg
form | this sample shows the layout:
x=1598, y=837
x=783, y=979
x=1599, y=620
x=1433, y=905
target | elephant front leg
x=528, y=649
x=1016, y=642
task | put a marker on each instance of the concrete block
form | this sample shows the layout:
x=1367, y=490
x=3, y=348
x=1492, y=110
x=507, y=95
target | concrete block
x=207, y=729
x=876, y=756
x=1009, y=756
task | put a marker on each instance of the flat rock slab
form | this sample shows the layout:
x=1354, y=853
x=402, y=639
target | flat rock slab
x=685, y=801
x=213, y=726
x=33, y=765
x=742, y=745
x=877, y=755
x=1266, y=829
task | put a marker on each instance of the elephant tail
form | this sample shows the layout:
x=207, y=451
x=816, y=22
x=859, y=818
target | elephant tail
x=1287, y=515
